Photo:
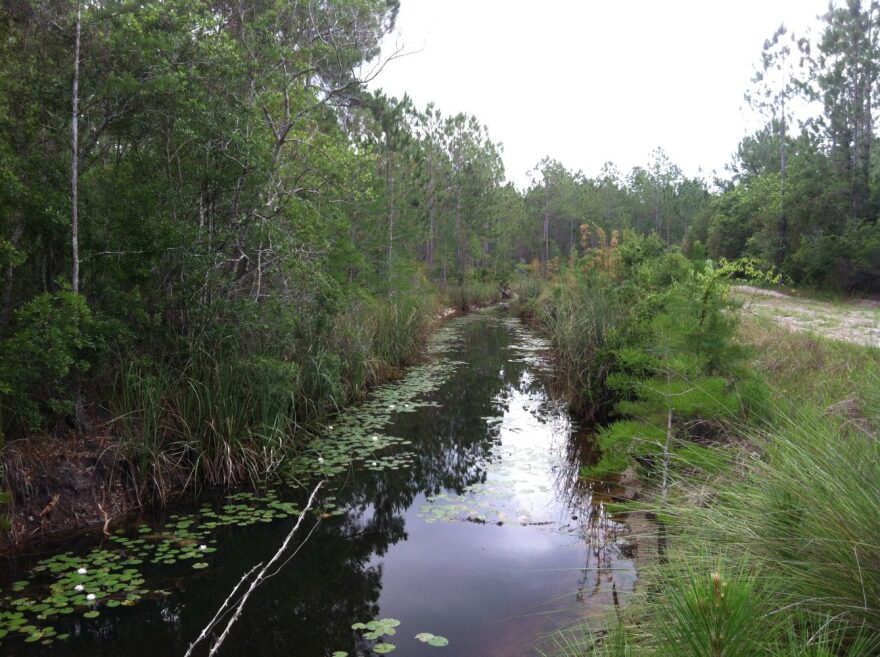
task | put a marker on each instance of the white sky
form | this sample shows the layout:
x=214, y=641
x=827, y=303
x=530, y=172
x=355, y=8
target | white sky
x=585, y=81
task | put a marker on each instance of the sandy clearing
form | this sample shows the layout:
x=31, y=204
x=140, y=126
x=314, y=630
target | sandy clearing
x=857, y=322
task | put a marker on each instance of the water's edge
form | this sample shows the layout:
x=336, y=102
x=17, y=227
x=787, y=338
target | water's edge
x=465, y=517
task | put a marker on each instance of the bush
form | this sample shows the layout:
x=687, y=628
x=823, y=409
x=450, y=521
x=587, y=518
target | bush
x=54, y=343
x=847, y=262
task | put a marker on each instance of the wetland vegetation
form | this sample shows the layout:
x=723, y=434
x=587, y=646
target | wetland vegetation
x=229, y=268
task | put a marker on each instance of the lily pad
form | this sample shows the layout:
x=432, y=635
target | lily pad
x=432, y=639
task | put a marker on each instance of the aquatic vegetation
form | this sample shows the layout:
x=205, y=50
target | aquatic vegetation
x=378, y=629
x=432, y=639
x=515, y=491
x=510, y=477
x=357, y=435
x=112, y=575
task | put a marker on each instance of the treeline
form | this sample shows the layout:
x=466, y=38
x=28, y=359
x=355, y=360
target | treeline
x=802, y=192
x=567, y=213
x=212, y=234
x=206, y=214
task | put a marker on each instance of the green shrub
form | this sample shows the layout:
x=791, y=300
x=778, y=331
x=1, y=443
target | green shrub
x=54, y=343
x=710, y=613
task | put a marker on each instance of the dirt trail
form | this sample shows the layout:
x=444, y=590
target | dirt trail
x=851, y=322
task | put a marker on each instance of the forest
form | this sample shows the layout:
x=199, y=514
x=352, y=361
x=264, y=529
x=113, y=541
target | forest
x=237, y=195
x=215, y=233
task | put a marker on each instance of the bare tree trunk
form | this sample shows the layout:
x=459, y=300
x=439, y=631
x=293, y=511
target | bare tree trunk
x=74, y=160
x=459, y=245
x=783, y=228
x=429, y=247
x=430, y=254
x=389, y=184
x=666, y=447
x=262, y=574
x=546, y=231
x=78, y=411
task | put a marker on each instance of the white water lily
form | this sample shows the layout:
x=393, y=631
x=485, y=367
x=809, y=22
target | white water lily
x=82, y=571
x=375, y=438
x=375, y=463
x=391, y=407
x=78, y=587
x=330, y=428
x=203, y=547
x=90, y=596
x=320, y=459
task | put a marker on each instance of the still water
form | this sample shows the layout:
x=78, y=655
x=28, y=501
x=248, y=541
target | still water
x=476, y=528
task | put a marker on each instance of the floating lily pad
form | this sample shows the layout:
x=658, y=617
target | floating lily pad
x=432, y=639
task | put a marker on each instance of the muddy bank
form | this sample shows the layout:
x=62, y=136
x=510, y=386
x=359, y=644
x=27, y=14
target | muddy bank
x=77, y=482
x=62, y=485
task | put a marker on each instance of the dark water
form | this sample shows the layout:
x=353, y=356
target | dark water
x=488, y=538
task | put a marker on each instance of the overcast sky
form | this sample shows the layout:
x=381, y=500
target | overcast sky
x=585, y=81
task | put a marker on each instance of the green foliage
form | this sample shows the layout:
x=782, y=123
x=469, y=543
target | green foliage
x=585, y=317
x=621, y=442
x=670, y=358
x=710, y=614
x=233, y=416
x=848, y=261
x=54, y=341
x=473, y=294
x=705, y=398
x=789, y=527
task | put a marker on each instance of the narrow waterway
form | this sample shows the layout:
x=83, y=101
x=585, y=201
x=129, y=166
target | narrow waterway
x=468, y=522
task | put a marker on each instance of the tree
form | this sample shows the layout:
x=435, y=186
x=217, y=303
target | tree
x=74, y=158
x=776, y=82
x=844, y=72
x=555, y=197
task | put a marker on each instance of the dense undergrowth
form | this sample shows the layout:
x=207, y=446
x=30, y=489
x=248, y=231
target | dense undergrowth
x=230, y=405
x=757, y=450
x=229, y=415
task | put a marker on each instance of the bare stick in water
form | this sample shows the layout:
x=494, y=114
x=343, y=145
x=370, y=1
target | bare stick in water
x=261, y=575
x=220, y=611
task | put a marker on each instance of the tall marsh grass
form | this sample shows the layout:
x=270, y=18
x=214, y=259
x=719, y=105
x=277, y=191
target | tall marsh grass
x=583, y=316
x=223, y=417
x=771, y=525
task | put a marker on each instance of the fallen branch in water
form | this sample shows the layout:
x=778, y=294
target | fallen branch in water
x=220, y=611
x=261, y=575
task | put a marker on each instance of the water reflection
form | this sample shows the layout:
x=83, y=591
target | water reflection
x=520, y=547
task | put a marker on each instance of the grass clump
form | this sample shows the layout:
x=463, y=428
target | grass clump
x=780, y=555
x=229, y=411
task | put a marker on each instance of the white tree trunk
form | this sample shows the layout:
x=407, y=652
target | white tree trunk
x=74, y=160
